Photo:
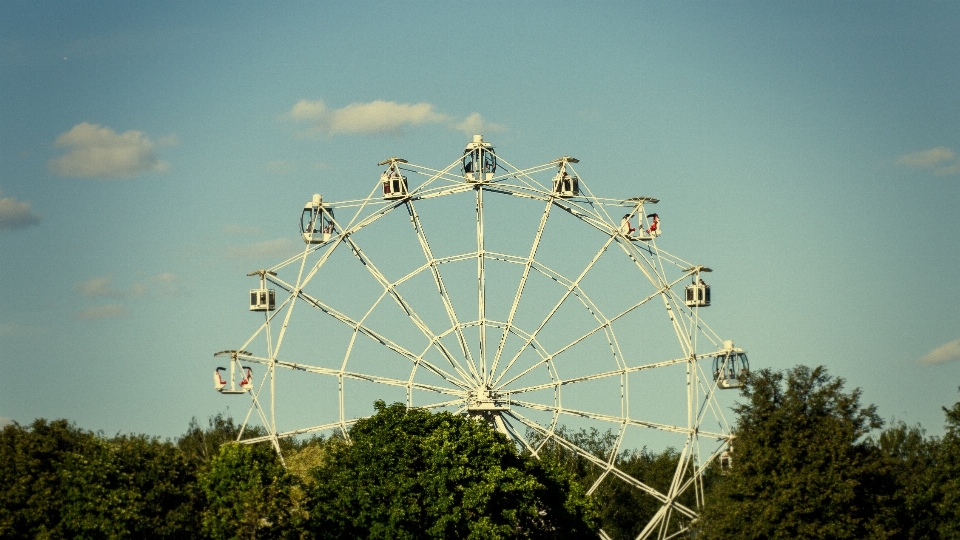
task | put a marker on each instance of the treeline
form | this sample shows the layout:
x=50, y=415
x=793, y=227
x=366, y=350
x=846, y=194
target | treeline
x=809, y=461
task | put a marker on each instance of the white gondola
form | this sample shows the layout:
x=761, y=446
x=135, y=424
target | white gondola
x=394, y=183
x=316, y=222
x=479, y=162
x=730, y=366
x=726, y=460
x=697, y=294
x=566, y=185
x=263, y=299
x=231, y=385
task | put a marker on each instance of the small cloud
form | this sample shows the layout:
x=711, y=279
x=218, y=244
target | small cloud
x=941, y=160
x=166, y=277
x=16, y=214
x=92, y=288
x=380, y=117
x=241, y=230
x=948, y=352
x=4, y=421
x=927, y=158
x=476, y=124
x=373, y=118
x=108, y=311
x=100, y=287
x=280, y=247
x=168, y=284
x=99, y=152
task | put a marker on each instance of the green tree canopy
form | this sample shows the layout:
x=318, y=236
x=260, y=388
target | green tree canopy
x=249, y=494
x=413, y=474
x=62, y=482
x=802, y=467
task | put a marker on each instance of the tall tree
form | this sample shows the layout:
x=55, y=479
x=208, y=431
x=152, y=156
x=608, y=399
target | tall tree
x=944, y=478
x=408, y=473
x=803, y=467
x=249, y=494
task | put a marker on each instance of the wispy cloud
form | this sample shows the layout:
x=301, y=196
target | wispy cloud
x=99, y=152
x=948, y=352
x=379, y=118
x=166, y=284
x=941, y=160
x=281, y=247
x=103, y=287
x=476, y=124
x=109, y=311
x=16, y=214
x=4, y=421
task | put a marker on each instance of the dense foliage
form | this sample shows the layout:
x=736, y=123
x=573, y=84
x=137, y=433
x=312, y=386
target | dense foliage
x=809, y=462
x=414, y=474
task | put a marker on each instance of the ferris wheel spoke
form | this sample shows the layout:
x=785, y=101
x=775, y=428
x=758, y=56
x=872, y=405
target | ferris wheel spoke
x=411, y=313
x=386, y=342
x=441, y=288
x=523, y=281
x=573, y=447
x=611, y=419
x=570, y=289
x=606, y=374
x=302, y=431
x=440, y=405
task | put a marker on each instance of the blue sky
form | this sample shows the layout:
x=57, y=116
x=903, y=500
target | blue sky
x=151, y=154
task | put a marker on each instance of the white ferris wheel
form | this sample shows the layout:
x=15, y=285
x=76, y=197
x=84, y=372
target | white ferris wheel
x=512, y=295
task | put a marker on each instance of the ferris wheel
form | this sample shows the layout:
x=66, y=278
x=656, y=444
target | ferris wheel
x=515, y=296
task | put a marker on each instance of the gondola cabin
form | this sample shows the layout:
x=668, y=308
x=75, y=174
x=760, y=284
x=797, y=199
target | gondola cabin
x=231, y=385
x=726, y=461
x=263, y=299
x=316, y=221
x=730, y=366
x=697, y=295
x=479, y=163
x=566, y=185
x=394, y=184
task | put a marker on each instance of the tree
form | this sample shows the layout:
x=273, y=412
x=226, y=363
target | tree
x=249, y=494
x=802, y=466
x=944, y=478
x=31, y=499
x=910, y=458
x=409, y=473
x=62, y=482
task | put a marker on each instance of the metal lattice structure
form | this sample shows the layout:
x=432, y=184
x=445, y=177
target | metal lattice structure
x=513, y=295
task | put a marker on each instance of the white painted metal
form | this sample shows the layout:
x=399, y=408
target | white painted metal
x=496, y=365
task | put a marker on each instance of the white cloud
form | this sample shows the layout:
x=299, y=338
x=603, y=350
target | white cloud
x=475, y=124
x=376, y=117
x=927, y=158
x=4, y=421
x=941, y=160
x=16, y=214
x=99, y=152
x=281, y=247
x=948, y=352
x=108, y=311
x=380, y=117
x=166, y=277
x=102, y=286
x=167, y=284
